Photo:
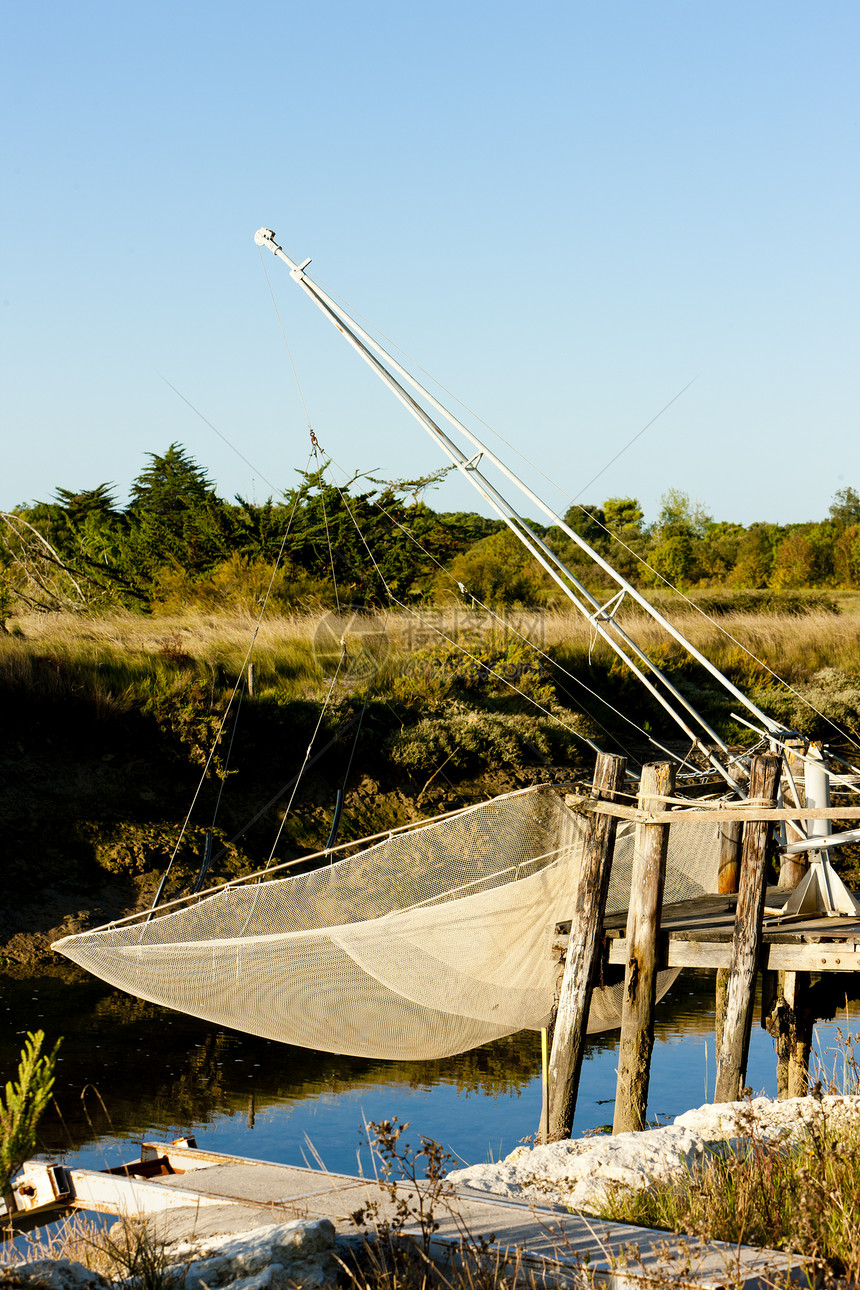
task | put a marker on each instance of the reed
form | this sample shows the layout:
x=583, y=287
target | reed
x=804, y=1198
x=423, y=659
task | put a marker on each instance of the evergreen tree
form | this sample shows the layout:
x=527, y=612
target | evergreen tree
x=176, y=518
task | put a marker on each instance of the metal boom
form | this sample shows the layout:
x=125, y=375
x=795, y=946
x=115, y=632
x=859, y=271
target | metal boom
x=601, y=617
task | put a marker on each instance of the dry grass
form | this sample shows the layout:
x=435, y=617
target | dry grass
x=115, y=658
x=794, y=645
x=804, y=1197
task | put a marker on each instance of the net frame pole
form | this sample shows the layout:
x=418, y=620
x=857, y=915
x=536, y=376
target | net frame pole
x=599, y=618
x=266, y=237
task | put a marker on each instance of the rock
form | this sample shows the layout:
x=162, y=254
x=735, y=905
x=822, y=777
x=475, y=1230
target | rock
x=579, y=1173
x=50, y=1274
x=277, y=1257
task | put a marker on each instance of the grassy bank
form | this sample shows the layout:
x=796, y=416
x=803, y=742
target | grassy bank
x=179, y=669
x=109, y=721
x=804, y=1198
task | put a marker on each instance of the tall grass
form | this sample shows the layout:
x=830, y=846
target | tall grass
x=121, y=659
x=795, y=646
x=803, y=1196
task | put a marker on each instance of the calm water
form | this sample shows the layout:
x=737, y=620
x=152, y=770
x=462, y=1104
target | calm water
x=130, y=1071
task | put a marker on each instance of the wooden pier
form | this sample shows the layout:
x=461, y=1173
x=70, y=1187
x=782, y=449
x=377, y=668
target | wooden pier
x=187, y=1194
x=749, y=929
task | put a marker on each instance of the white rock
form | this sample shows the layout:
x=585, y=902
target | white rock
x=277, y=1257
x=52, y=1274
x=578, y=1173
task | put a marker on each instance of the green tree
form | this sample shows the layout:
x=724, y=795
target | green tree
x=589, y=522
x=499, y=571
x=176, y=517
x=755, y=556
x=674, y=558
x=845, y=507
x=846, y=557
x=23, y=1106
x=794, y=561
x=680, y=515
x=624, y=517
x=676, y=553
x=719, y=551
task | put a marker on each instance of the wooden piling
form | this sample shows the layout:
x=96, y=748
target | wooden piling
x=584, y=947
x=727, y=885
x=643, y=930
x=789, y=1021
x=782, y=1017
x=746, y=945
x=730, y=857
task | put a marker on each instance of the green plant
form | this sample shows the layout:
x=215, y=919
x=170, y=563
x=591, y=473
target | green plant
x=803, y=1197
x=404, y=1222
x=23, y=1105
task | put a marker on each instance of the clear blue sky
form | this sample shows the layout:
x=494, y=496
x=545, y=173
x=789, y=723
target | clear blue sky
x=565, y=211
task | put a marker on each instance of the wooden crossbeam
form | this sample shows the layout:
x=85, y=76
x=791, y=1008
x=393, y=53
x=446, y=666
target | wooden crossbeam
x=714, y=814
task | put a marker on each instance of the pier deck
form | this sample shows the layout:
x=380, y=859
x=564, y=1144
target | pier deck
x=698, y=934
x=184, y=1192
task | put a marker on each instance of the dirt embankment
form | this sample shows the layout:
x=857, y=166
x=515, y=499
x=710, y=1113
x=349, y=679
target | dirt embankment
x=91, y=812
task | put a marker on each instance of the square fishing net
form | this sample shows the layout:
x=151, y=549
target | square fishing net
x=427, y=944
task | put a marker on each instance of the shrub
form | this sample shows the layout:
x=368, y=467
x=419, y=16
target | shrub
x=23, y=1105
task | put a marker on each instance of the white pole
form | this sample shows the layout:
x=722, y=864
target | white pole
x=338, y=315
x=543, y=554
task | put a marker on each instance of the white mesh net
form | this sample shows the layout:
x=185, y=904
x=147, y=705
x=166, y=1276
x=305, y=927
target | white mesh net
x=430, y=943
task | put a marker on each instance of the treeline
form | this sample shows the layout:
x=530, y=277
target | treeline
x=178, y=545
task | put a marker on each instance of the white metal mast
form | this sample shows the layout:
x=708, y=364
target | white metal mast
x=602, y=617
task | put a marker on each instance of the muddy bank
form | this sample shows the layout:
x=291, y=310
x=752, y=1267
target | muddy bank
x=91, y=808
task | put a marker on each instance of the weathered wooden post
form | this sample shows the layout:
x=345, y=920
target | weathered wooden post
x=727, y=885
x=784, y=1015
x=746, y=945
x=583, y=952
x=250, y=680
x=643, y=931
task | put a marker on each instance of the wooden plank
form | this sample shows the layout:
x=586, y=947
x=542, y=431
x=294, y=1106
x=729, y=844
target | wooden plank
x=568, y=1041
x=640, y=976
x=705, y=815
x=712, y=955
x=549, y=1245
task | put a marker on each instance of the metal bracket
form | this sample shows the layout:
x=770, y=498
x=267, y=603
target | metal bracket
x=606, y=613
x=821, y=890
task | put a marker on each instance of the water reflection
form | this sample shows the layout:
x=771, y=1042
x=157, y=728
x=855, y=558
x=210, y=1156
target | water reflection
x=130, y=1070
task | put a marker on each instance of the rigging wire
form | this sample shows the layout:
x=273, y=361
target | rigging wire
x=575, y=500
x=537, y=648
x=308, y=750
x=615, y=537
x=282, y=792
x=409, y=609
x=229, y=753
x=220, y=730
x=682, y=761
